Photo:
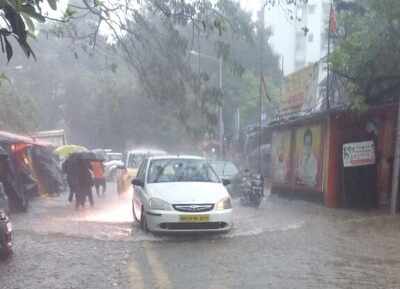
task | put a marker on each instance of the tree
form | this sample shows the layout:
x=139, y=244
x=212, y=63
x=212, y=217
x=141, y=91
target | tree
x=18, y=17
x=16, y=113
x=368, y=49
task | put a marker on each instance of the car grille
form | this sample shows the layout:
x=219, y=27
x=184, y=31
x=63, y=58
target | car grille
x=194, y=226
x=194, y=208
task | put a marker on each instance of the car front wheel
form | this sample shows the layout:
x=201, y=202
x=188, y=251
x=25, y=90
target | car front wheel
x=135, y=219
x=143, y=221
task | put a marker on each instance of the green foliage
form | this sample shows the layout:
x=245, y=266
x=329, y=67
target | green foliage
x=368, y=49
x=16, y=113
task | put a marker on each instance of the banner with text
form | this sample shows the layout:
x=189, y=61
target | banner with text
x=359, y=154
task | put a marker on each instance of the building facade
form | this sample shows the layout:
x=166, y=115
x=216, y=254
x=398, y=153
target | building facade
x=298, y=48
x=323, y=150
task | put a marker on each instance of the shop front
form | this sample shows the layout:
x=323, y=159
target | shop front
x=325, y=151
x=361, y=151
x=342, y=158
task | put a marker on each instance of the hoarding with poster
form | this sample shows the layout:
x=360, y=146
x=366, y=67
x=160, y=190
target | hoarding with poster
x=303, y=92
x=308, y=157
x=281, y=143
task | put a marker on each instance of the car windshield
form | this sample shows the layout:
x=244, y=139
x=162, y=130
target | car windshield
x=224, y=168
x=180, y=170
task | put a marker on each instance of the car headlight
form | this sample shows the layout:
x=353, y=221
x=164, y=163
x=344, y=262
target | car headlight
x=224, y=204
x=158, y=204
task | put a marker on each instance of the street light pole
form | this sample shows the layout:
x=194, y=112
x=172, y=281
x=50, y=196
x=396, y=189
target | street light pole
x=220, y=114
x=221, y=127
x=260, y=104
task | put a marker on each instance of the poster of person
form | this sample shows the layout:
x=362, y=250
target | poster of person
x=308, y=156
x=281, y=142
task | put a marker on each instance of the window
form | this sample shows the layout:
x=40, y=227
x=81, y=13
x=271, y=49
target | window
x=135, y=160
x=142, y=170
x=180, y=170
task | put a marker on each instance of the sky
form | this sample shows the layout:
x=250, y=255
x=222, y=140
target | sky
x=251, y=5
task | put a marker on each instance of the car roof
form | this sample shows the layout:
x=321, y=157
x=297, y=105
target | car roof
x=163, y=157
x=146, y=151
x=220, y=162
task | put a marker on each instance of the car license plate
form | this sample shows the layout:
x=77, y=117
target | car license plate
x=195, y=218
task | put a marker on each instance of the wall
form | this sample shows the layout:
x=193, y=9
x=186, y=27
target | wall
x=298, y=157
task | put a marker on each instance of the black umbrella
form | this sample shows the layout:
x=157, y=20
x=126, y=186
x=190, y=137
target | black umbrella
x=87, y=156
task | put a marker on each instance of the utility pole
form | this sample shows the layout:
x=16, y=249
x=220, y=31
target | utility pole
x=220, y=114
x=396, y=167
x=260, y=102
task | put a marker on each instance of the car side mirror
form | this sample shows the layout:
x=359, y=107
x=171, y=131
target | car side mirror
x=226, y=182
x=138, y=182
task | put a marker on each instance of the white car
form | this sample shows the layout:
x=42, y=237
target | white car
x=180, y=194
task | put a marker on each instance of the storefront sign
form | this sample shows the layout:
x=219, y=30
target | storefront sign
x=358, y=154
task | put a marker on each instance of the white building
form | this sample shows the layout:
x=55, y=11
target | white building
x=289, y=39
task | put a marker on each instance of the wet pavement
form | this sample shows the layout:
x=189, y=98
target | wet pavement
x=283, y=244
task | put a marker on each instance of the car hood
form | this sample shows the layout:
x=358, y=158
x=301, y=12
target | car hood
x=188, y=192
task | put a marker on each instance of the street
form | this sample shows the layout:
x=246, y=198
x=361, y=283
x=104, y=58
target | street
x=283, y=244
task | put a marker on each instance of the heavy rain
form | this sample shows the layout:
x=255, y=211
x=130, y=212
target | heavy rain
x=199, y=144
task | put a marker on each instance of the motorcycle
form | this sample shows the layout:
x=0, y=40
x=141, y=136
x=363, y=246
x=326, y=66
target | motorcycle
x=5, y=234
x=252, y=189
x=5, y=225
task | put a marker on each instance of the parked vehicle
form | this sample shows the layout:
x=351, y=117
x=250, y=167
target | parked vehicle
x=134, y=159
x=252, y=189
x=4, y=205
x=5, y=225
x=113, y=156
x=180, y=194
x=111, y=169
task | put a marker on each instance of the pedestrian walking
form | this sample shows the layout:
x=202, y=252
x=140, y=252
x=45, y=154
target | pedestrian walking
x=99, y=178
x=85, y=183
x=69, y=167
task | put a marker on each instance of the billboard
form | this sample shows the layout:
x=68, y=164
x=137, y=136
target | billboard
x=301, y=92
x=308, y=157
x=281, y=145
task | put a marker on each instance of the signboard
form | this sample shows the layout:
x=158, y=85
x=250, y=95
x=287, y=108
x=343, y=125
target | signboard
x=303, y=91
x=358, y=154
x=308, y=157
x=281, y=143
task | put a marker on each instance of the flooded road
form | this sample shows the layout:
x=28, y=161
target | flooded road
x=283, y=244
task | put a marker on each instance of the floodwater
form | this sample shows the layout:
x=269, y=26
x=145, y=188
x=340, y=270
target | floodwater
x=284, y=245
x=111, y=218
